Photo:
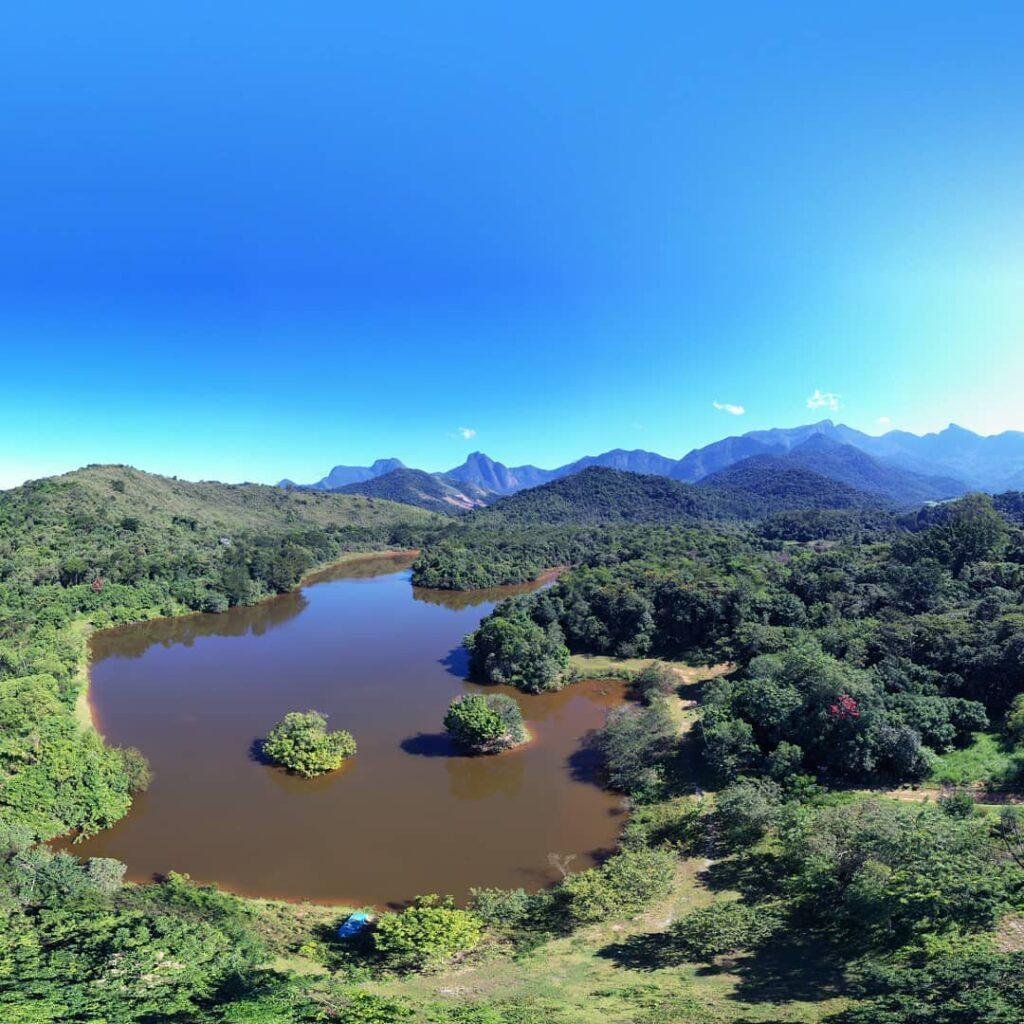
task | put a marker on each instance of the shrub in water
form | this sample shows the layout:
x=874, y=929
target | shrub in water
x=485, y=723
x=301, y=743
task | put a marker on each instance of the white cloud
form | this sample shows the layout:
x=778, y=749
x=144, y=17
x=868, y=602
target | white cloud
x=823, y=400
x=732, y=410
x=466, y=433
x=884, y=421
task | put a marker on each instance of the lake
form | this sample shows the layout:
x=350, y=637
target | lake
x=407, y=815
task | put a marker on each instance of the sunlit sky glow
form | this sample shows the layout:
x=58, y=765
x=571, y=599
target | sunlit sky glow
x=250, y=241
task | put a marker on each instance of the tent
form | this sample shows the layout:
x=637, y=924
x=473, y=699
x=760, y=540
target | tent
x=354, y=924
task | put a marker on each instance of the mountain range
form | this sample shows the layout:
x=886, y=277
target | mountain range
x=903, y=468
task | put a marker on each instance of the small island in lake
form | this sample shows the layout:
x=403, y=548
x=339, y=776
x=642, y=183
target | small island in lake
x=485, y=723
x=301, y=743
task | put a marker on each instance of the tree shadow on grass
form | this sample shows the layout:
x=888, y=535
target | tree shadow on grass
x=791, y=967
x=755, y=874
x=685, y=768
x=649, y=951
x=787, y=968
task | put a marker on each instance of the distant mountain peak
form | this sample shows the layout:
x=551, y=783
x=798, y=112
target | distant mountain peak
x=932, y=465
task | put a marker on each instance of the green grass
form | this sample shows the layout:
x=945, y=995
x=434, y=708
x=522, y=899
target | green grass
x=989, y=761
x=617, y=973
x=604, y=666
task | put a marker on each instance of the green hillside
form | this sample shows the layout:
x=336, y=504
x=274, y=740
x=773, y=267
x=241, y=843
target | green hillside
x=599, y=495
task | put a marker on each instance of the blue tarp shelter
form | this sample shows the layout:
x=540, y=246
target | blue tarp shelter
x=353, y=924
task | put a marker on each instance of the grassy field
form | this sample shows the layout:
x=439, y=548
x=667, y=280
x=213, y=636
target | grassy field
x=989, y=762
x=604, y=666
x=619, y=973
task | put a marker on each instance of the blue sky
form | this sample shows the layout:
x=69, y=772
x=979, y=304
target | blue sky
x=247, y=241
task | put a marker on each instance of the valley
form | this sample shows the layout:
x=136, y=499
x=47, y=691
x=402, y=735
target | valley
x=730, y=688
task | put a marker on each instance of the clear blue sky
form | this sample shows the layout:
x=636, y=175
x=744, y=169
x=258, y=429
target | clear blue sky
x=247, y=241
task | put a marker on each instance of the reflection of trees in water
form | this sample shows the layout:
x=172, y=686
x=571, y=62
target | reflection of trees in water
x=603, y=694
x=296, y=785
x=133, y=641
x=474, y=778
x=459, y=599
x=364, y=568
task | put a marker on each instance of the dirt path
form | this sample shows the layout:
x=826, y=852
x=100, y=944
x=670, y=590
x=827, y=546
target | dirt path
x=981, y=796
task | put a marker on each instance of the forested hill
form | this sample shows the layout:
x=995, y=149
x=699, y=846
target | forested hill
x=605, y=496
x=424, y=490
x=121, y=525
x=771, y=483
x=848, y=465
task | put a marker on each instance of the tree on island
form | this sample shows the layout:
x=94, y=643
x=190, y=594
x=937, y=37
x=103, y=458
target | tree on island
x=510, y=648
x=485, y=723
x=301, y=743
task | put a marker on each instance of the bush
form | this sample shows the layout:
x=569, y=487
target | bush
x=301, y=743
x=745, y=810
x=720, y=928
x=426, y=934
x=656, y=680
x=976, y=984
x=1015, y=719
x=679, y=823
x=485, y=723
x=625, y=884
x=511, y=910
x=633, y=741
x=958, y=804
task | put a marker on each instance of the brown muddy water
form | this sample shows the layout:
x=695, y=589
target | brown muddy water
x=407, y=815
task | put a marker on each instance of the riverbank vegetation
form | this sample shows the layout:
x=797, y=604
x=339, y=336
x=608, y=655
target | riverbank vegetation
x=762, y=874
x=302, y=743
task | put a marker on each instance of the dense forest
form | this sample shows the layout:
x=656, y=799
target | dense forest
x=848, y=650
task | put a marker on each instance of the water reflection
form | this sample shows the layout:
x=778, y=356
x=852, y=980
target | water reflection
x=255, y=620
x=477, y=778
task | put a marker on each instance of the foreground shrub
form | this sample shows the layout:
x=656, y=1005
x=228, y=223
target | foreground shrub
x=511, y=910
x=426, y=934
x=633, y=742
x=882, y=873
x=301, y=743
x=973, y=985
x=720, y=928
x=485, y=723
x=625, y=884
x=656, y=680
x=745, y=810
